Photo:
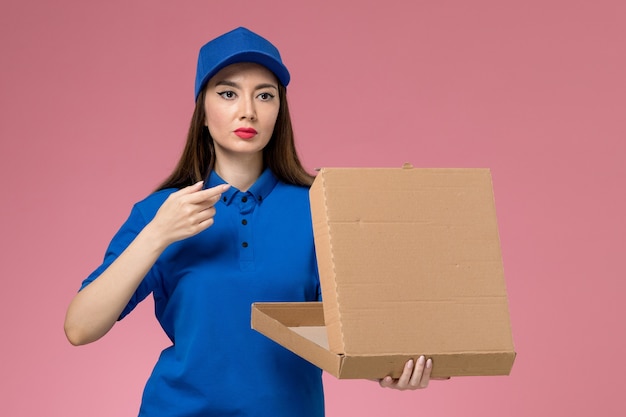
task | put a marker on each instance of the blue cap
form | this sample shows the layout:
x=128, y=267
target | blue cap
x=239, y=45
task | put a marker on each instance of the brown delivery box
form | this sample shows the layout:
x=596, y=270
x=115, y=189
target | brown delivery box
x=410, y=264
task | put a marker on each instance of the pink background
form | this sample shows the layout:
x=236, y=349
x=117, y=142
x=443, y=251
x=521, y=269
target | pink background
x=95, y=98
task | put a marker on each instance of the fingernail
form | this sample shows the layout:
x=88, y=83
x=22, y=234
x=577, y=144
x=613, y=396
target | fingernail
x=429, y=363
x=409, y=364
x=421, y=360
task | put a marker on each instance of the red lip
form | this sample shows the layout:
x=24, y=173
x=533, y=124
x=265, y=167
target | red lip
x=245, y=132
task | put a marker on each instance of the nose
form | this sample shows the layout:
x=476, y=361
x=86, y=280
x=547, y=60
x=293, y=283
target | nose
x=248, y=109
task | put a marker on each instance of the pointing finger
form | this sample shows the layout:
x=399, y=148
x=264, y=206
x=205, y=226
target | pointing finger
x=210, y=195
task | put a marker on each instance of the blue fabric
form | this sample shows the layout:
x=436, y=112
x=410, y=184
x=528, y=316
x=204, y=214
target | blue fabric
x=203, y=288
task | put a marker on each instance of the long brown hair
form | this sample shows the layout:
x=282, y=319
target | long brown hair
x=198, y=157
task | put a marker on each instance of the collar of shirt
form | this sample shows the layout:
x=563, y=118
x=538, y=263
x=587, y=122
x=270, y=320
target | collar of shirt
x=262, y=187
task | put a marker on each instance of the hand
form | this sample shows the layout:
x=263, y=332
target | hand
x=413, y=377
x=186, y=212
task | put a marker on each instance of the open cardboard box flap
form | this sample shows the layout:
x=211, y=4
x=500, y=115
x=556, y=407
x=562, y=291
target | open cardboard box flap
x=410, y=264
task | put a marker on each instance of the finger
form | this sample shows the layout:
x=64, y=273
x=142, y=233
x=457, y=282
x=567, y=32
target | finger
x=204, y=204
x=418, y=372
x=208, y=195
x=190, y=188
x=205, y=224
x=205, y=215
x=426, y=374
x=403, y=381
x=386, y=382
x=198, y=222
x=185, y=191
x=218, y=189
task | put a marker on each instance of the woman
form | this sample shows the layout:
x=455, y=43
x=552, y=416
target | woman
x=207, y=250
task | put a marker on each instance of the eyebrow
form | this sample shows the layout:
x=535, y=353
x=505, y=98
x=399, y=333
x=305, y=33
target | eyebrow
x=235, y=85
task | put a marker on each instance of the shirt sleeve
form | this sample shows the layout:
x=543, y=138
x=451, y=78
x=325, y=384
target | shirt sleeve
x=125, y=235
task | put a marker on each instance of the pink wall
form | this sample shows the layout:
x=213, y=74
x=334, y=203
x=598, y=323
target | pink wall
x=95, y=98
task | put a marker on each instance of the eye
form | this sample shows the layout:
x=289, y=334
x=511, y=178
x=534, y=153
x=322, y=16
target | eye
x=228, y=95
x=266, y=96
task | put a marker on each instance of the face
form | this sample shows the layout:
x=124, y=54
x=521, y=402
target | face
x=241, y=106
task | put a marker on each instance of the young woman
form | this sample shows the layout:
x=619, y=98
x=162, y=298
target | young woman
x=208, y=249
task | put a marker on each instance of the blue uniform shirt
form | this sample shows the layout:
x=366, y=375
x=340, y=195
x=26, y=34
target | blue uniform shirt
x=260, y=248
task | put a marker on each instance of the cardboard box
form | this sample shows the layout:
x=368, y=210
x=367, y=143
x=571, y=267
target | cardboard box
x=410, y=264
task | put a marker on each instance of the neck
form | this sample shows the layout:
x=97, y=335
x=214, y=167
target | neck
x=240, y=172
